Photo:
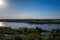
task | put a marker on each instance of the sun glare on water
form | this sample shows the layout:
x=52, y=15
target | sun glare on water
x=1, y=24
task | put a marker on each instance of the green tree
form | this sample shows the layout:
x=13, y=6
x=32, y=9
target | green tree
x=54, y=35
x=17, y=37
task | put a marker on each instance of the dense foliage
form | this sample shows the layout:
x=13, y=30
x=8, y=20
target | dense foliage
x=7, y=33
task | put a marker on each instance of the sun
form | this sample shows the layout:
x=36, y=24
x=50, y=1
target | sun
x=1, y=2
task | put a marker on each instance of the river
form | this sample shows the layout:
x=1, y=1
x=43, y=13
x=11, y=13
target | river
x=18, y=25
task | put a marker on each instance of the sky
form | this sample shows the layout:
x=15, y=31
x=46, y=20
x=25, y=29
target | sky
x=29, y=9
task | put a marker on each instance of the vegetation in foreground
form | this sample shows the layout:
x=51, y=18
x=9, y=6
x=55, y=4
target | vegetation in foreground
x=7, y=33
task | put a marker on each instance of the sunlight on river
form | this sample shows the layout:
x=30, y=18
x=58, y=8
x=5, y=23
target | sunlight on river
x=1, y=24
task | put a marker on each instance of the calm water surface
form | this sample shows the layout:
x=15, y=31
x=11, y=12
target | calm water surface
x=42, y=26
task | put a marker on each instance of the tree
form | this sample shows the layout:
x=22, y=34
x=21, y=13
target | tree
x=54, y=35
x=17, y=37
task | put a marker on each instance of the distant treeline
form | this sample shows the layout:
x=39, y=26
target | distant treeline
x=34, y=21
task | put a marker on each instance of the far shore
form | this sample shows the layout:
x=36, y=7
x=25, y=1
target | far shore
x=33, y=21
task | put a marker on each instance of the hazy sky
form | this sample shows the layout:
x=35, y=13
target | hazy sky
x=37, y=9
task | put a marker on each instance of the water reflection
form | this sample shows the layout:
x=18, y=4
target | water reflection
x=1, y=24
x=42, y=26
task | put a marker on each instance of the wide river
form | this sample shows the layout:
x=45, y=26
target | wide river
x=18, y=25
